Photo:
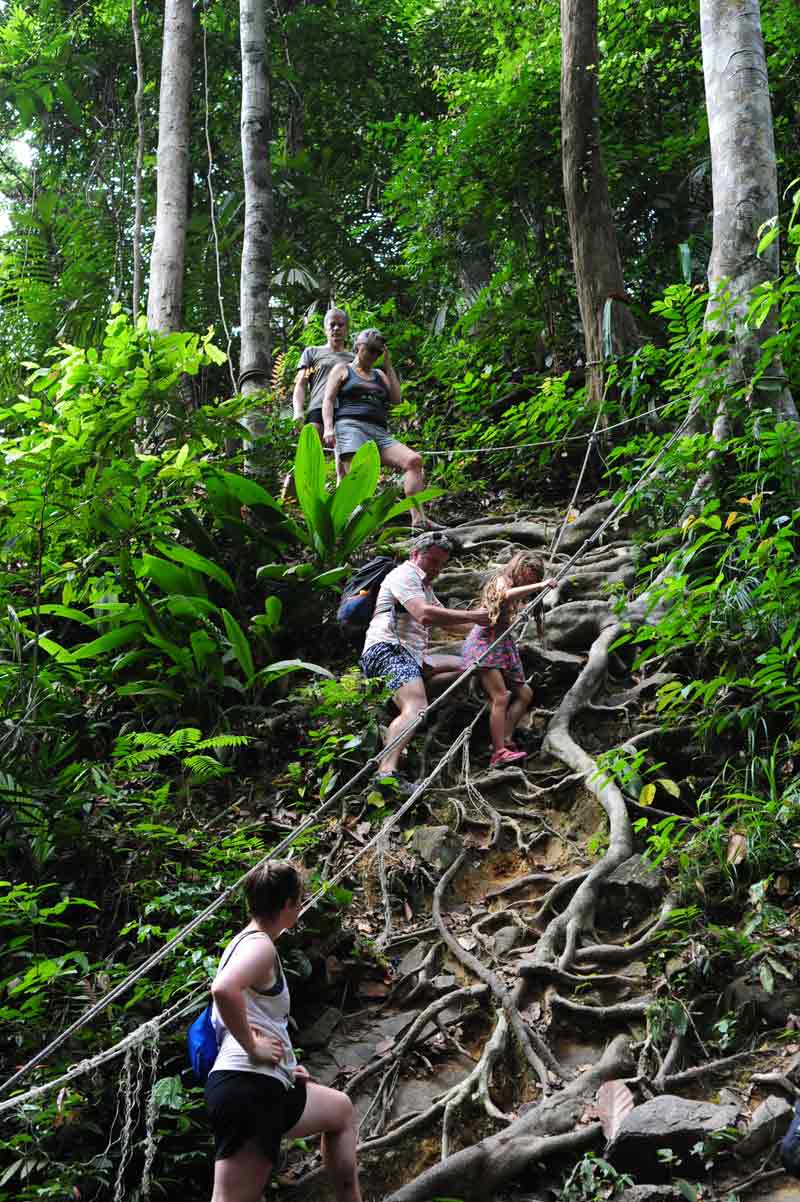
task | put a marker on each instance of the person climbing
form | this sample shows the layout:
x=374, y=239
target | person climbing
x=501, y=673
x=355, y=411
x=315, y=366
x=257, y=1092
x=397, y=640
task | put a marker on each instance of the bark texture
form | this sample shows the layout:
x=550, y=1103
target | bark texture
x=745, y=185
x=165, y=297
x=138, y=104
x=598, y=270
x=258, y=205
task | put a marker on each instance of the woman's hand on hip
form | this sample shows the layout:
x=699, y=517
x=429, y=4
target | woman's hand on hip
x=301, y=1073
x=267, y=1049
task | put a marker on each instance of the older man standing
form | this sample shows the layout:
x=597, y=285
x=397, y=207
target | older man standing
x=316, y=364
x=397, y=639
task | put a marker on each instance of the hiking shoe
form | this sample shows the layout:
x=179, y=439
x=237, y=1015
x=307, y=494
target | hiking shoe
x=389, y=783
x=505, y=757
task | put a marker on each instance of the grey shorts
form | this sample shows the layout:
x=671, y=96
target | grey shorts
x=352, y=434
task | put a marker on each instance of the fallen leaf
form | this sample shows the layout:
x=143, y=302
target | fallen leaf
x=409, y=913
x=737, y=848
x=384, y=1046
x=782, y=884
x=614, y=1101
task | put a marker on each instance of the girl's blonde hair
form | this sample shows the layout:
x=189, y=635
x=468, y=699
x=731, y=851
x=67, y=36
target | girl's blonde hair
x=522, y=568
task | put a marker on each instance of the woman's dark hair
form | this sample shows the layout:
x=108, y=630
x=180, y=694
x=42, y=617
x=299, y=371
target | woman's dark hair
x=269, y=886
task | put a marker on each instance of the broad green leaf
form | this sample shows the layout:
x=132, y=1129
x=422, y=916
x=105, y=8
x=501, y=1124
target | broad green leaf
x=669, y=786
x=170, y=578
x=59, y=611
x=309, y=480
x=246, y=492
x=767, y=977
x=191, y=559
x=271, y=571
x=283, y=666
x=685, y=260
x=240, y=645
x=108, y=642
x=359, y=484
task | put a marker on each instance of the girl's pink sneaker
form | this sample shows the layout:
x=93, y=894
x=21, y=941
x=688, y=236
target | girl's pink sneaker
x=505, y=756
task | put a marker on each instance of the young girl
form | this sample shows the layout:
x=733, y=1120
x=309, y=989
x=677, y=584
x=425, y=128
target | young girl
x=501, y=673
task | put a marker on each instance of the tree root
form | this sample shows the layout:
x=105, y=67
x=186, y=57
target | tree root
x=417, y=1027
x=475, y=1173
x=563, y=931
x=612, y=953
x=540, y=1056
x=477, y=1084
x=635, y=1008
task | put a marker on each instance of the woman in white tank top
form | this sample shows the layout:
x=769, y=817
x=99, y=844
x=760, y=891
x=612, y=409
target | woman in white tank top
x=256, y=1091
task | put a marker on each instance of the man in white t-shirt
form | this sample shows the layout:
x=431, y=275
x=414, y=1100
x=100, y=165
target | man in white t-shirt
x=397, y=638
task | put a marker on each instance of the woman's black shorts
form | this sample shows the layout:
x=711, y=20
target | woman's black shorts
x=251, y=1108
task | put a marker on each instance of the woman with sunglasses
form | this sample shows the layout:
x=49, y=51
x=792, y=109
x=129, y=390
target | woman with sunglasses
x=355, y=411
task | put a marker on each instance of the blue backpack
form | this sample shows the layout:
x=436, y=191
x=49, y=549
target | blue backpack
x=201, y=1038
x=360, y=594
x=790, y=1146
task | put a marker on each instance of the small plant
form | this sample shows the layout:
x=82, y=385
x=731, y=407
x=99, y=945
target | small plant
x=594, y=1180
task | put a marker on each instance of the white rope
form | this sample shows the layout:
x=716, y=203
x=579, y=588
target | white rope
x=403, y=735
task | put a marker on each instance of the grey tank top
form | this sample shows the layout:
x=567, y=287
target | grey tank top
x=267, y=1009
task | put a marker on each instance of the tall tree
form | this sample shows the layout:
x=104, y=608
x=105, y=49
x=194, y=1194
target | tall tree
x=596, y=259
x=165, y=298
x=258, y=205
x=745, y=188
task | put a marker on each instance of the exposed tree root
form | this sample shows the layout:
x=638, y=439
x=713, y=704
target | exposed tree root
x=537, y=1057
x=612, y=953
x=476, y=1172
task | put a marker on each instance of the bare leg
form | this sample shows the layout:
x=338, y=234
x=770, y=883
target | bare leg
x=242, y=1177
x=495, y=688
x=410, y=463
x=523, y=696
x=411, y=699
x=440, y=671
x=331, y=1112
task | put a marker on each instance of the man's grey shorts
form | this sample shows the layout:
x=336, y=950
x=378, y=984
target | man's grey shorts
x=352, y=434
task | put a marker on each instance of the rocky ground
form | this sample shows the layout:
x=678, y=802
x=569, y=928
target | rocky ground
x=520, y=1019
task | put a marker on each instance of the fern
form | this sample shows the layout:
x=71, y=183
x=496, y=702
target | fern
x=204, y=767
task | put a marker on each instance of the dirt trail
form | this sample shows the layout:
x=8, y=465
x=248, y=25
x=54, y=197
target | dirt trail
x=519, y=922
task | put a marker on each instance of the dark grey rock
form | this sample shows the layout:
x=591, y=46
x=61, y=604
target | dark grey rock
x=635, y=872
x=666, y=1122
x=437, y=845
x=651, y=1193
x=769, y=1123
x=319, y=1033
x=504, y=940
x=413, y=960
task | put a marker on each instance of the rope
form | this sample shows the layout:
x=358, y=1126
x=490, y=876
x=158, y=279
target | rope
x=287, y=841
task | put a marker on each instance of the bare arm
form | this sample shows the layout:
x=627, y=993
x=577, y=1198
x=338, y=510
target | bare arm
x=300, y=394
x=335, y=381
x=390, y=376
x=438, y=615
x=525, y=590
x=251, y=965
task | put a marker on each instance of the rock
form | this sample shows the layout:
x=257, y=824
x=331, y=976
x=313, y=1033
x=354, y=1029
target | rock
x=636, y=873
x=666, y=1122
x=412, y=960
x=437, y=845
x=394, y=1025
x=729, y=1097
x=562, y=667
x=651, y=1193
x=319, y=1033
x=754, y=1007
x=504, y=940
x=769, y=1123
x=634, y=888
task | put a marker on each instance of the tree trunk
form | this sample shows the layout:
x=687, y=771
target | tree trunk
x=138, y=102
x=744, y=177
x=165, y=298
x=258, y=207
x=598, y=270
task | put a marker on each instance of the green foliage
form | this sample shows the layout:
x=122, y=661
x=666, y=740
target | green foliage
x=594, y=1180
